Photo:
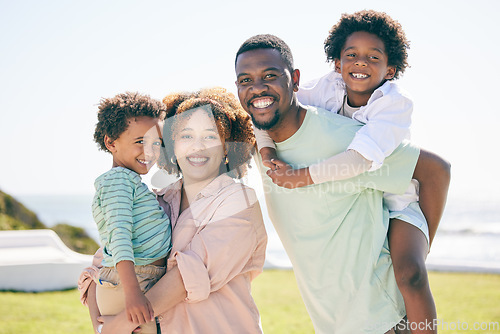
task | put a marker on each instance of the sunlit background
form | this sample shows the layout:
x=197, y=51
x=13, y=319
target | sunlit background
x=58, y=58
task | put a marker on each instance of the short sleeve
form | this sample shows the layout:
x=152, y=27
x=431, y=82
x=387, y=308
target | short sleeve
x=263, y=138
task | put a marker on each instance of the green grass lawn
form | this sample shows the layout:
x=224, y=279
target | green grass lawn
x=462, y=300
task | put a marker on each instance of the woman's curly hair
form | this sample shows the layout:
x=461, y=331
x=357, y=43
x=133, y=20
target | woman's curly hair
x=115, y=113
x=233, y=123
x=380, y=24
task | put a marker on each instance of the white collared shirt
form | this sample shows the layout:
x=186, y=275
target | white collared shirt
x=387, y=115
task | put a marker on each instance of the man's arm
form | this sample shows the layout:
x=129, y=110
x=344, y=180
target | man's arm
x=433, y=174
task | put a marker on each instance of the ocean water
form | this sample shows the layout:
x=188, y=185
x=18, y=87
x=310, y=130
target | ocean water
x=469, y=233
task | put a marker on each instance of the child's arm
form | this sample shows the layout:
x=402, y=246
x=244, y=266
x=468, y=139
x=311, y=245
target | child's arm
x=387, y=121
x=387, y=118
x=433, y=175
x=117, y=202
x=326, y=92
x=266, y=147
x=339, y=167
x=137, y=306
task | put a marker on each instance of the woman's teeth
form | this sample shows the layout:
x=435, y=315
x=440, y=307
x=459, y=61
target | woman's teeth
x=197, y=160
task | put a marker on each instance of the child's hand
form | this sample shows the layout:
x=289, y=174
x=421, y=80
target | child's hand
x=285, y=176
x=268, y=154
x=138, y=308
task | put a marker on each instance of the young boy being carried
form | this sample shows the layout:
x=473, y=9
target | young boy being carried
x=368, y=49
x=134, y=230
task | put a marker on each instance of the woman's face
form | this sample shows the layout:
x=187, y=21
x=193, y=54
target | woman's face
x=198, y=147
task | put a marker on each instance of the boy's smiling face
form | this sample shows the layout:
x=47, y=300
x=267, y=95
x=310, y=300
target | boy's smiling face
x=363, y=65
x=138, y=147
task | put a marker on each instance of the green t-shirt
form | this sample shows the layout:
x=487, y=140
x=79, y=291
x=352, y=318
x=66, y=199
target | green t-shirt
x=335, y=233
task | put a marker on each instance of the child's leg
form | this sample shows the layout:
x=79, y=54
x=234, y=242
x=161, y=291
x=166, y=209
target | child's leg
x=109, y=293
x=409, y=247
x=111, y=298
x=111, y=301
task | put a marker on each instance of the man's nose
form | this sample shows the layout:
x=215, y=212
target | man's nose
x=259, y=86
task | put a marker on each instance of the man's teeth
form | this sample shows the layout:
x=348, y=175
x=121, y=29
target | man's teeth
x=262, y=103
x=146, y=162
x=197, y=160
x=359, y=75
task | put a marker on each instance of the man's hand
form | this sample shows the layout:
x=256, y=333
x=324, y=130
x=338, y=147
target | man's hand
x=285, y=176
x=268, y=154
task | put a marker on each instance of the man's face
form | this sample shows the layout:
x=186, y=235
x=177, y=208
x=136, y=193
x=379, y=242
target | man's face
x=265, y=86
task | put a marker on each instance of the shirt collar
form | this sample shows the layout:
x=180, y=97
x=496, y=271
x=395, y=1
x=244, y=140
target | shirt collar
x=217, y=184
x=381, y=91
x=211, y=189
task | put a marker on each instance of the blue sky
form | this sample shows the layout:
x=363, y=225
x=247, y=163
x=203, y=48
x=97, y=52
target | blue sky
x=58, y=58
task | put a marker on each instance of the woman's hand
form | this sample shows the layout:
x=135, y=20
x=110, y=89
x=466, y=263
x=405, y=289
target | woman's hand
x=116, y=324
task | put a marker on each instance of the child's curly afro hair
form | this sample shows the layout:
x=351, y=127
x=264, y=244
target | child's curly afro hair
x=114, y=114
x=233, y=123
x=377, y=23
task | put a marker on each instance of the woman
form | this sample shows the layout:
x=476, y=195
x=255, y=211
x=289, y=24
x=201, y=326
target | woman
x=218, y=234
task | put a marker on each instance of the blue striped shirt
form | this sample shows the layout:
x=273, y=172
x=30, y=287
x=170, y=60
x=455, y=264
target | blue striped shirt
x=131, y=224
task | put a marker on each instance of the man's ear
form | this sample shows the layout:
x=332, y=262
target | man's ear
x=295, y=80
x=391, y=72
x=110, y=144
x=337, y=65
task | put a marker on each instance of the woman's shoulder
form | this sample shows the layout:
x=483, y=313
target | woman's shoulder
x=236, y=197
x=240, y=189
x=169, y=190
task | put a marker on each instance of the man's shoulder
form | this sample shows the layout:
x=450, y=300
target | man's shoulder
x=328, y=117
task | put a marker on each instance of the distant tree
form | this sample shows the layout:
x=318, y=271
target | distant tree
x=76, y=238
x=15, y=216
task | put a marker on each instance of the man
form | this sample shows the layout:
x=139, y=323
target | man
x=334, y=233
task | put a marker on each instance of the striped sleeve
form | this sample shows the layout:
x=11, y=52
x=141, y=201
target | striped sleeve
x=117, y=197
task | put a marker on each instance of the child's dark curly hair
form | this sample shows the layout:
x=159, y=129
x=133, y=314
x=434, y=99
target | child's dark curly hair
x=114, y=114
x=233, y=123
x=377, y=23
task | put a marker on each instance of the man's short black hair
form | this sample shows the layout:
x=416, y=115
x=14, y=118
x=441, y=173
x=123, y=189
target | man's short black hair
x=267, y=41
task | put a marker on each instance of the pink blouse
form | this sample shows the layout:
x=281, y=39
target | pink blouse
x=219, y=245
